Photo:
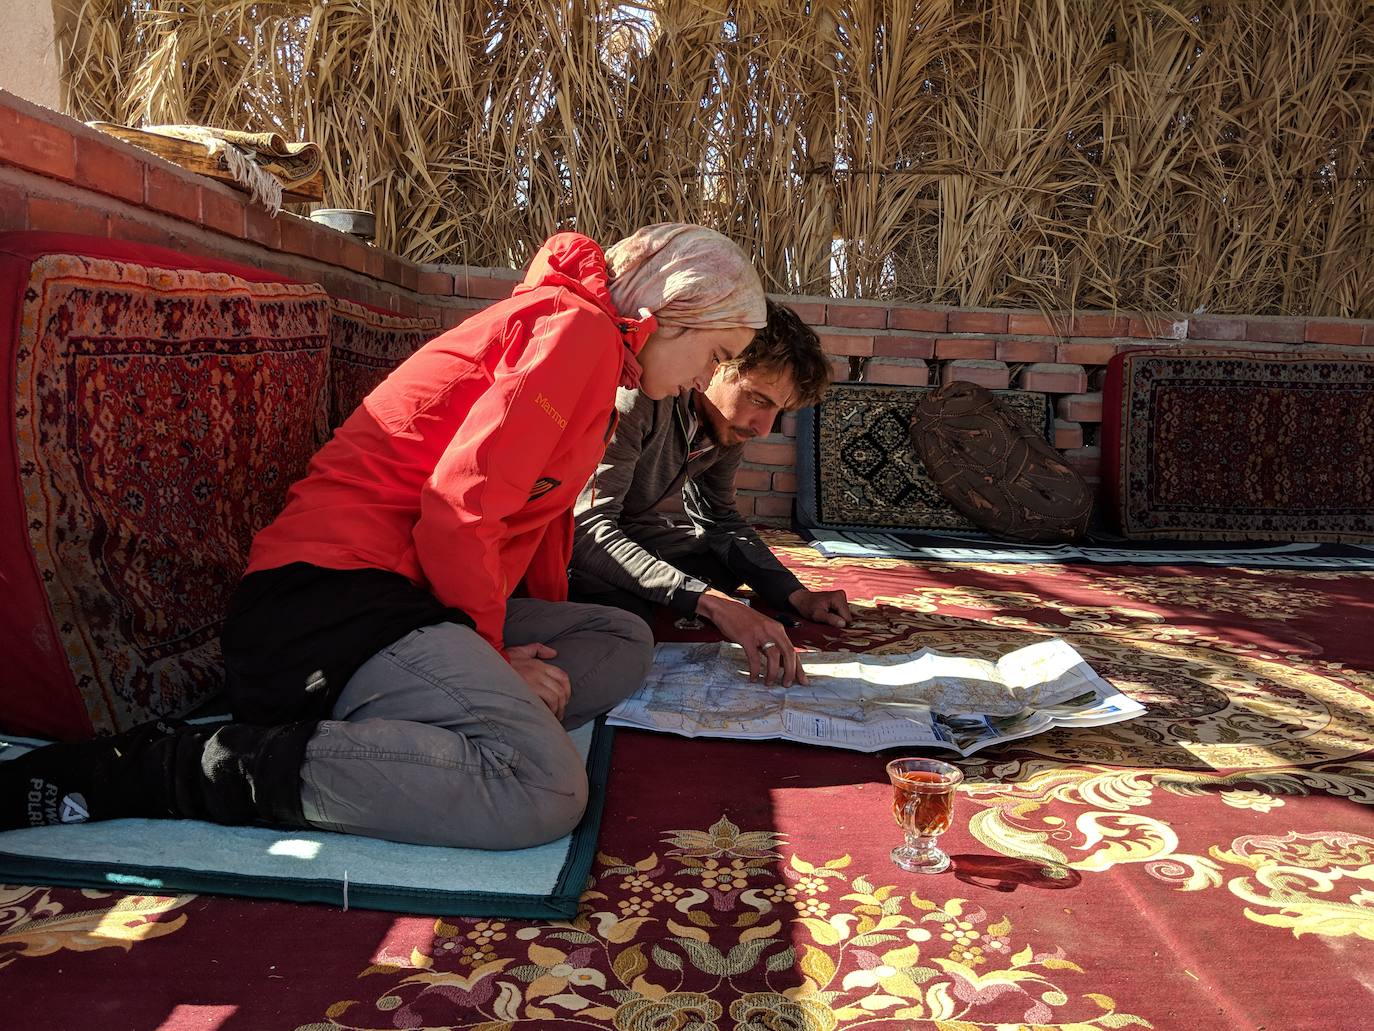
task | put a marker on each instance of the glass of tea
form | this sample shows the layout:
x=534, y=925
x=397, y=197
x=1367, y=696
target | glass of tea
x=923, y=805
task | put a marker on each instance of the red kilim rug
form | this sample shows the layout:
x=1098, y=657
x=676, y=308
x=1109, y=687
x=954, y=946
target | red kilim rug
x=1209, y=865
x=1200, y=444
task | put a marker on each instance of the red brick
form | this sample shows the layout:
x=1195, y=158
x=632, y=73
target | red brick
x=773, y=506
x=410, y=275
x=374, y=262
x=1159, y=327
x=137, y=230
x=1085, y=460
x=66, y=217
x=1054, y=378
x=785, y=483
x=1100, y=326
x=1077, y=352
x=839, y=343
x=903, y=345
x=977, y=322
x=810, y=312
x=393, y=269
x=106, y=170
x=440, y=283
x=1279, y=331
x=993, y=375
x=1369, y=336
x=1341, y=333
x=13, y=205
x=744, y=504
x=260, y=227
x=354, y=253
x=487, y=286
x=965, y=347
x=1025, y=350
x=328, y=245
x=35, y=145
x=910, y=372
x=788, y=424
x=771, y=450
x=856, y=316
x=840, y=371
x=450, y=317
x=298, y=234
x=753, y=479
x=336, y=284
x=172, y=194
x=1067, y=434
x=922, y=320
x=1205, y=328
x=1038, y=325
x=221, y=210
x=1080, y=407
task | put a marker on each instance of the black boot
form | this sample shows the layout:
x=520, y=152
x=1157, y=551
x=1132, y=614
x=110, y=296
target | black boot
x=225, y=772
x=103, y=779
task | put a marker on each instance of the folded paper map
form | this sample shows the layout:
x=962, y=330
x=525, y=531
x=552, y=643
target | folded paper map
x=871, y=702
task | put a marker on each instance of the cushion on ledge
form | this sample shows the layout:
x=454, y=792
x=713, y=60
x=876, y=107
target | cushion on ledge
x=995, y=469
x=1210, y=444
x=160, y=406
x=857, y=468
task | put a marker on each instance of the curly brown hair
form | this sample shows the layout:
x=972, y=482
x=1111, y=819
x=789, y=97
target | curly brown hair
x=788, y=343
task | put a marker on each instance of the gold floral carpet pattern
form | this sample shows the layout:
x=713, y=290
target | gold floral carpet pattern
x=1208, y=865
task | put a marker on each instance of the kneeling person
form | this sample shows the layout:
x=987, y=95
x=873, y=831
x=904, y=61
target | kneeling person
x=628, y=554
x=387, y=678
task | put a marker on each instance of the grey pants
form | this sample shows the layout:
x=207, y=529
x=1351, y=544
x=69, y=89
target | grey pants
x=436, y=740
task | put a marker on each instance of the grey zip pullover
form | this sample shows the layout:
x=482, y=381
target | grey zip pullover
x=621, y=541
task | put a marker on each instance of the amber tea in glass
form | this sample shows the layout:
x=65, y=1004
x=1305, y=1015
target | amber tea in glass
x=923, y=806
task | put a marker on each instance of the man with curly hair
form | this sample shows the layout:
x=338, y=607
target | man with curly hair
x=629, y=553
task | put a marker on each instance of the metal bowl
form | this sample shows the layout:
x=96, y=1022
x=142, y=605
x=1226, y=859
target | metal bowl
x=362, y=224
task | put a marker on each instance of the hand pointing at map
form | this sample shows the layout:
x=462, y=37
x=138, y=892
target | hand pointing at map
x=771, y=655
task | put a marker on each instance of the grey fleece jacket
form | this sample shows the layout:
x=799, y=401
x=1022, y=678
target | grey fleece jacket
x=620, y=541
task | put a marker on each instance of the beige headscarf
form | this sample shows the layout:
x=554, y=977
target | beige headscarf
x=687, y=276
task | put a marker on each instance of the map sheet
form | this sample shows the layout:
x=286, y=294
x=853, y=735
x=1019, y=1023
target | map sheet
x=871, y=702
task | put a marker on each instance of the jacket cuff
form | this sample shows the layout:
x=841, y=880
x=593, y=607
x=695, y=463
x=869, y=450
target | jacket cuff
x=775, y=590
x=684, y=598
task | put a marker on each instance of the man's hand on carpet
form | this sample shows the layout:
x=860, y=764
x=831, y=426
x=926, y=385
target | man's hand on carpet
x=550, y=683
x=765, y=642
x=829, y=607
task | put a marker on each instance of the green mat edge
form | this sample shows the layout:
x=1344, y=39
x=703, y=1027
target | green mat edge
x=561, y=904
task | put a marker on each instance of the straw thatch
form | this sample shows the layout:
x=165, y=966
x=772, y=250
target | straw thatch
x=1044, y=153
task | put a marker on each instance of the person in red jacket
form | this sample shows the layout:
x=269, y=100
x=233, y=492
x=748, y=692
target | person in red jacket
x=401, y=658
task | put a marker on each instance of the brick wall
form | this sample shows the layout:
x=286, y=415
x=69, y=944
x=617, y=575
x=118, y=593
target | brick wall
x=1064, y=356
x=57, y=174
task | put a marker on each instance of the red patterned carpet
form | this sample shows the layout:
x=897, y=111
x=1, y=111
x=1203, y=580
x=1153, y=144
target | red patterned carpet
x=1209, y=865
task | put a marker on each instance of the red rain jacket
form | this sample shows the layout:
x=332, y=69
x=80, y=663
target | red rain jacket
x=461, y=469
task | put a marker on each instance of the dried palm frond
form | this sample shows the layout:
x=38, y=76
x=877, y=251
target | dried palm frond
x=1134, y=154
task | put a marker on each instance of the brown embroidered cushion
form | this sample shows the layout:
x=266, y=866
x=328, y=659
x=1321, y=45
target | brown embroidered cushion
x=995, y=470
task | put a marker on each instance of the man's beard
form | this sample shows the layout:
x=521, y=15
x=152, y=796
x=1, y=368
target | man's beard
x=713, y=423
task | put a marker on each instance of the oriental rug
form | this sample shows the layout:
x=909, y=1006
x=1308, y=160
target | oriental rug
x=951, y=546
x=1207, y=865
x=857, y=469
x=1244, y=445
x=161, y=406
x=365, y=344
